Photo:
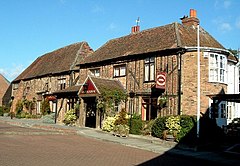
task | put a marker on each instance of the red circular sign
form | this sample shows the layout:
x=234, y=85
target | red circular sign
x=161, y=79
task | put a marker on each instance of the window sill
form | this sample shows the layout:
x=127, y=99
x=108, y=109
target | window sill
x=149, y=81
x=119, y=76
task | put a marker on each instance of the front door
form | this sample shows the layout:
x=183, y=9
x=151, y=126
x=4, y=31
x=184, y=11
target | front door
x=90, y=112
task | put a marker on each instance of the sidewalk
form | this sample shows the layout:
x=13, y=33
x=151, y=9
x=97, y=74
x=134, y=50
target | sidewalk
x=142, y=142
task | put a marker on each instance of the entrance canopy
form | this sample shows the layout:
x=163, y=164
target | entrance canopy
x=226, y=97
x=95, y=86
x=70, y=91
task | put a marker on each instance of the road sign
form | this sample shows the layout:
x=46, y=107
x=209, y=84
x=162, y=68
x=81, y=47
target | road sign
x=161, y=80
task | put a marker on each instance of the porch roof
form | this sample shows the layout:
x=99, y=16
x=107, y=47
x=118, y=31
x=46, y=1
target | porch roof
x=97, y=86
x=225, y=97
x=71, y=89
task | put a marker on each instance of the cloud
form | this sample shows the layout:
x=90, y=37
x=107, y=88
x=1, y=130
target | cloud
x=222, y=4
x=12, y=72
x=224, y=27
x=97, y=9
x=238, y=23
x=62, y=1
x=112, y=26
x=226, y=4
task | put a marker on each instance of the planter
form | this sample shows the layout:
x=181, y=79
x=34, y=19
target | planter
x=121, y=131
x=169, y=136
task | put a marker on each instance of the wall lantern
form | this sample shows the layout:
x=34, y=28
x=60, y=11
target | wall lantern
x=85, y=87
x=131, y=94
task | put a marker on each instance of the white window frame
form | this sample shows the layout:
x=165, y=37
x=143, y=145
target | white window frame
x=217, y=68
x=119, y=71
x=62, y=83
x=149, y=69
x=95, y=72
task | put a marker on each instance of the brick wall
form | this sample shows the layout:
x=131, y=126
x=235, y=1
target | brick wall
x=189, y=84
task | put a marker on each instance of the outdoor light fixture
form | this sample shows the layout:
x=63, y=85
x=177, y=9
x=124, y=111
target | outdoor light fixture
x=131, y=94
x=85, y=87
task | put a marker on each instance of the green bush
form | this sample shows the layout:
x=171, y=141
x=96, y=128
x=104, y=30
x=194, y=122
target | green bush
x=173, y=124
x=70, y=117
x=121, y=118
x=108, y=124
x=50, y=119
x=147, y=127
x=158, y=127
x=187, y=132
x=184, y=125
x=121, y=130
x=1, y=111
x=19, y=108
x=45, y=107
x=136, y=124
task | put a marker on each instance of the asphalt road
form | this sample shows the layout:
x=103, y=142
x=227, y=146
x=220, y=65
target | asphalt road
x=35, y=147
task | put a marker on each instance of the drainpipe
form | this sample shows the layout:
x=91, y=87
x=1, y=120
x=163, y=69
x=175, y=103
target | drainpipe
x=179, y=82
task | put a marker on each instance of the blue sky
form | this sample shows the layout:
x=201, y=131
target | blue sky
x=31, y=28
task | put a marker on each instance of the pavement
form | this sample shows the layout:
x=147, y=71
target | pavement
x=136, y=141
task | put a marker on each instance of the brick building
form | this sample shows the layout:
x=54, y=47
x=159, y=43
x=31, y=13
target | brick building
x=4, y=84
x=53, y=72
x=160, y=65
x=156, y=67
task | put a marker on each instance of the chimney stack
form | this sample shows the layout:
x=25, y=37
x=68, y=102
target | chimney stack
x=135, y=29
x=192, y=20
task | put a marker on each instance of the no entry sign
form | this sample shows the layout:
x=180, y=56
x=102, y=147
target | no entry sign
x=161, y=80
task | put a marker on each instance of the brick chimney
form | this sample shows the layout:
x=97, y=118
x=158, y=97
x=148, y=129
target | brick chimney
x=135, y=29
x=192, y=20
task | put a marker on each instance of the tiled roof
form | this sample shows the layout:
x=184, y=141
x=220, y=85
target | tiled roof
x=58, y=61
x=71, y=89
x=170, y=36
x=104, y=85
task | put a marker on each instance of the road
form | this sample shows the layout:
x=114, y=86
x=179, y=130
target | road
x=35, y=147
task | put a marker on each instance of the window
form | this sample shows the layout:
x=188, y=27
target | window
x=217, y=68
x=15, y=86
x=149, y=69
x=119, y=71
x=62, y=83
x=223, y=110
x=95, y=72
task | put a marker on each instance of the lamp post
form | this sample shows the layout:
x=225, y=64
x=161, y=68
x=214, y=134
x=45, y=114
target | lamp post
x=131, y=95
x=198, y=82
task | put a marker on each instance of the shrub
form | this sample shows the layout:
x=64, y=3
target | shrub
x=173, y=124
x=121, y=118
x=147, y=127
x=1, y=111
x=108, y=124
x=70, y=117
x=49, y=118
x=136, y=124
x=187, y=132
x=121, y=130
x=158, y=127
x=19, y=107
x=45, y=107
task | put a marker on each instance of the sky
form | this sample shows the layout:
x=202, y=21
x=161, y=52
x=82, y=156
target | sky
x=32, y=28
